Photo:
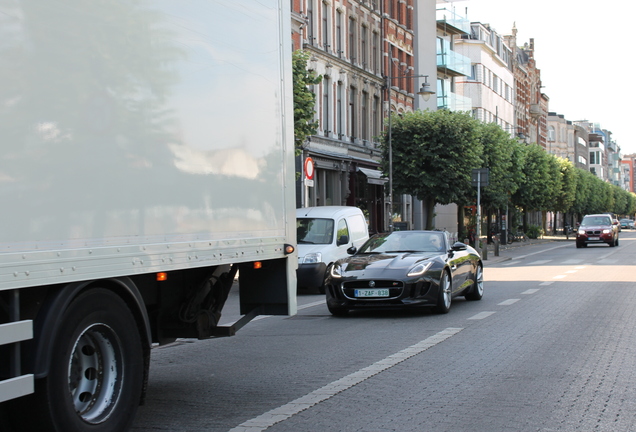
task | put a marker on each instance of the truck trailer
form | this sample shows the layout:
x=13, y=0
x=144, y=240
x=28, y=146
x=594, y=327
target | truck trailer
x=147, y=162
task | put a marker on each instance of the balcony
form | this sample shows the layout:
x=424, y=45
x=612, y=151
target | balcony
x=454, y=102
x=452, y=23
x=451, y=63
x=535, y=111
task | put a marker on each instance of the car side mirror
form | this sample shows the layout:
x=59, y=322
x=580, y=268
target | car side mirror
x=344, y=239
x=459, y=246
x=352, y=250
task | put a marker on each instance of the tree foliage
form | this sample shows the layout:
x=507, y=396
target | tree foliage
x=433, y=155
x=501, y=155
x=304, y=99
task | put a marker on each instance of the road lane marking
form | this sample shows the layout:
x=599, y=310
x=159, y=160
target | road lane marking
x=546, y=283
x=572, y=261
x=540, y=262
x=530, y=291
x=294, y=407
x=509, y=263
x=541, y=251
x=559, y=277
x=481, y=315
x=571, y=271
x=508, y=302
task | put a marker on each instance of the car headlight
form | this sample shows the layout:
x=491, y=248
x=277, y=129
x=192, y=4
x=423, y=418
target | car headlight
x=312, y=258
x=420, y=269
x=607, y=231
x=581, y=231
x=336, y=271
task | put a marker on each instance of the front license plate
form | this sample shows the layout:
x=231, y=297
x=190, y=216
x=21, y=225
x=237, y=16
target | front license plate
x=593, y=238
x=371, y=293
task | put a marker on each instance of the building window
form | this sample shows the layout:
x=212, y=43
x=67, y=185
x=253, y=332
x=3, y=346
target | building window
x=551, y=134
x=352, y=40
x=352, y=112
x=376, y=117
x=310, y=21
x=365, y=115
x=363, y=46
x=325, y=26
x=376, y=53
x=339, y=34
x=339, y=108
x=325, y=105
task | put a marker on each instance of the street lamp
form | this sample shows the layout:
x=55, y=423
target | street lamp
x=425, y=92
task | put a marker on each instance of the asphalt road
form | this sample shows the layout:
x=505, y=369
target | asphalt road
x=550, y=347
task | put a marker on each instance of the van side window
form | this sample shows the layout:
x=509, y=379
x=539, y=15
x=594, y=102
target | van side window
x=343, y=229
x=359, y=228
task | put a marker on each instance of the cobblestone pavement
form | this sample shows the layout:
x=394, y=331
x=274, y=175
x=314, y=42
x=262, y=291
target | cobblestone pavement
x=492, y=256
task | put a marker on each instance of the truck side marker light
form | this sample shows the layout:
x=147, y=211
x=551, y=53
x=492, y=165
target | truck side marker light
x=258, y=265
x=289, y=249
x=162, y=276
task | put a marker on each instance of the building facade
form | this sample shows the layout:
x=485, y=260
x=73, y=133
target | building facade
x=491, y=84
x=568, y=140
x=345, y=41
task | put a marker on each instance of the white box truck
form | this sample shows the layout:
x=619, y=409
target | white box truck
x=146, y=156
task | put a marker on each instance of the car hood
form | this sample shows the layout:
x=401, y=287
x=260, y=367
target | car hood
x=595, y=227
x=359, y=265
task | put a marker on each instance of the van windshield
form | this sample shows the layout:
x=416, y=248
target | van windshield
x=314, y=231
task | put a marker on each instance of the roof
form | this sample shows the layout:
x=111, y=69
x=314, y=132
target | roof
x=326, y=211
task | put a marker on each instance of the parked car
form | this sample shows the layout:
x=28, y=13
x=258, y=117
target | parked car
x=409, y=269
x=597, y=228
x=627, y=223
x=324, y=234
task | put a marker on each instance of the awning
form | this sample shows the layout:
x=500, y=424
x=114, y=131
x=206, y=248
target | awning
x=373, y=176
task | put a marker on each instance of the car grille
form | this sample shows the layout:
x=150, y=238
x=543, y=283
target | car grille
x=593, y=232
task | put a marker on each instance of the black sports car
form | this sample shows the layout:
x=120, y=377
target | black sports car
x=405, y=269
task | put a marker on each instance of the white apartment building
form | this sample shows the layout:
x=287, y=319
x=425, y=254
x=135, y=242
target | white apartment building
x=490, y=85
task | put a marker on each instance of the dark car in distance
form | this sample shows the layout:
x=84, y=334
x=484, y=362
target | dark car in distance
x=599, y=229
x=404, y=269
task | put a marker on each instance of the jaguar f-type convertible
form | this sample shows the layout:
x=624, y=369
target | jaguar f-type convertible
x=404, y=269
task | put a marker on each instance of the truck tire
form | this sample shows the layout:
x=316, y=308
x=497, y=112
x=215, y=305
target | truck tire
x=96, y=374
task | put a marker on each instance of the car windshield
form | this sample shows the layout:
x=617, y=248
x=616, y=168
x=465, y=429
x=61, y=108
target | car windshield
x=596, y=221
x=404, y=241
x=314, y=231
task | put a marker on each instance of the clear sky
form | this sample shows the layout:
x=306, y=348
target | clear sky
x=583, y=49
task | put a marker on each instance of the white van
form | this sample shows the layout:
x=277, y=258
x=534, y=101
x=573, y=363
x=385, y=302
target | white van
x=323, y=235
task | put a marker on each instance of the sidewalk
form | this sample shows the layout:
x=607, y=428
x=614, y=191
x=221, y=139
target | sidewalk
x=491, y=258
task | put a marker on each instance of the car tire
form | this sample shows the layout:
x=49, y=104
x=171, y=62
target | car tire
x=444, y=296
x=477, y=290
x=579, y=245
x=616, y=242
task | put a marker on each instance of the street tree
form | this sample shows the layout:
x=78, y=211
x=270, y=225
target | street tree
x=304, y=99
x=567, y=191
x=534, y=193
x=500, y=153
x=434, y=153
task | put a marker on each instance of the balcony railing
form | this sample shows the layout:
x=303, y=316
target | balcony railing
x=453, y=63
x=453, y=22
x=454, y=102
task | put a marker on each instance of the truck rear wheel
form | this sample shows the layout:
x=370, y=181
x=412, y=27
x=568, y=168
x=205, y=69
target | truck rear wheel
x=96, y=374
